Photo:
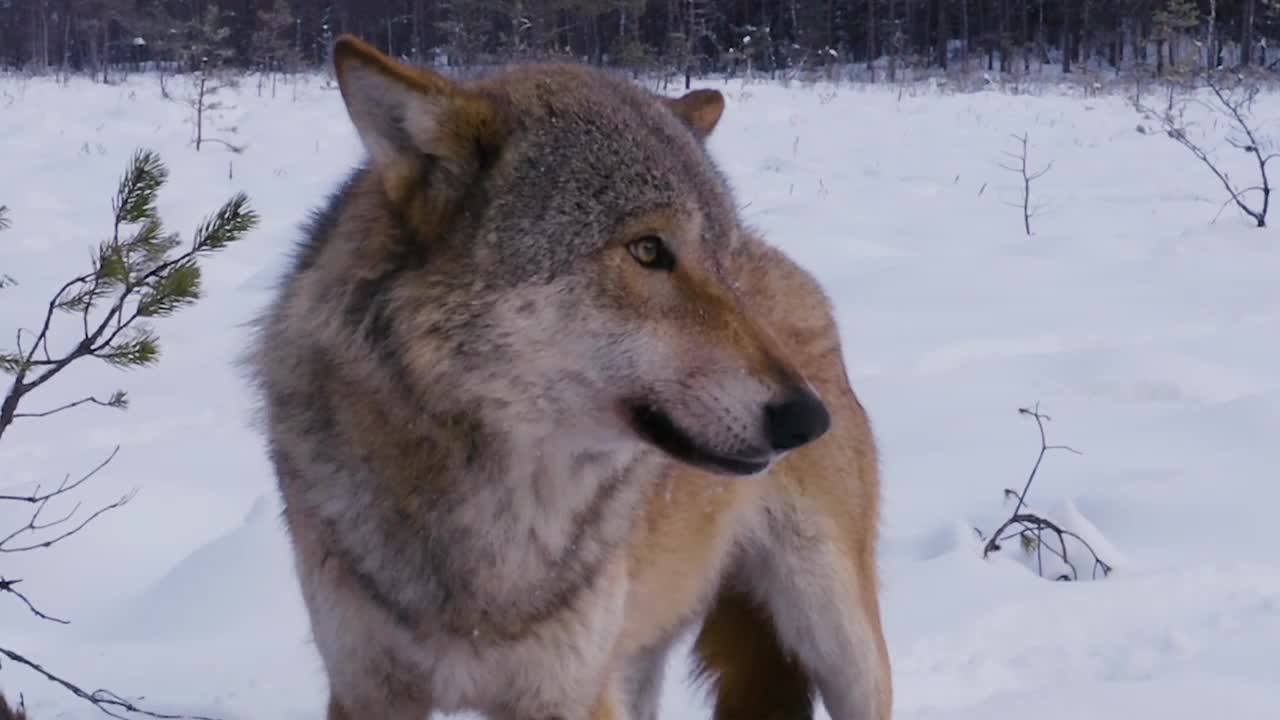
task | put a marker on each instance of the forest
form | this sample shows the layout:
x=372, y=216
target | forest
x=690, y=36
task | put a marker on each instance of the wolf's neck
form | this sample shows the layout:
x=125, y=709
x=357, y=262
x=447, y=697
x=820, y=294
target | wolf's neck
x=540, y=516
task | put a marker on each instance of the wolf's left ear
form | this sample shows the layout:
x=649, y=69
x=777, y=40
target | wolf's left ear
x=406, y=116
x=699, y=109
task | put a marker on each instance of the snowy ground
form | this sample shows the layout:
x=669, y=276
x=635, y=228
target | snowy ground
x=1146, y=332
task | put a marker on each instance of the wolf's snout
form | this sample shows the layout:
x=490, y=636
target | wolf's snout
x=798, y=420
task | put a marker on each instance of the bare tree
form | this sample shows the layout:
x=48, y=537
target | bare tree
x=1231, y=97
x=1019, y=165
x=134, y=276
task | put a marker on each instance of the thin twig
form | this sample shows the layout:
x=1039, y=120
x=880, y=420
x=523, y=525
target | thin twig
x=31, y=527
x=237, y=149
x=65, y=486
x=41, y=501
x=62, y=408
x=1029, y=527
x=105, y=700
x=7, y=586
x=1045, y=447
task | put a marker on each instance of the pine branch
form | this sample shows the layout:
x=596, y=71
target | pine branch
x=135, y=199
x=135, y=275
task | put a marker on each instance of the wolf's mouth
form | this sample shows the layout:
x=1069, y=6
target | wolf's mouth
x=657, y=427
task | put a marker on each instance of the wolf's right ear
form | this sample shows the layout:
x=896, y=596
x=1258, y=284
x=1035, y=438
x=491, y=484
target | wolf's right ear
x=406, y=116
x=700, y=110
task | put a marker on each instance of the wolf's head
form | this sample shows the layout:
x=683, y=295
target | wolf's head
x=567, y=259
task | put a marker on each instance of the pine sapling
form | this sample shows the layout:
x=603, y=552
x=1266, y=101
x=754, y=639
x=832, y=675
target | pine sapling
x=141, y=272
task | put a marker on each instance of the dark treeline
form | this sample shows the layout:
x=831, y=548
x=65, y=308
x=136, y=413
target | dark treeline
x=691, y=35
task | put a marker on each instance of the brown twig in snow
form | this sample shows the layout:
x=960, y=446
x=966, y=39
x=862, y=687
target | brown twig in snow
x=1029, y=527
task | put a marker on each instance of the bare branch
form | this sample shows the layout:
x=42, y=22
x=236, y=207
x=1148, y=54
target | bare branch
x=112, y=402
x=65, y=486
x=41, y=500
x=1030, y=523
x=1042, y=172
x=1040, y=419
x=237, y=149
x=106, y=701
x=32, y=526
x=1235, y=107
x=7, y=586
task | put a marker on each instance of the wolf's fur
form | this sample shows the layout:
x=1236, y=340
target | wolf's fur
x=8, y=712
x=507, y=449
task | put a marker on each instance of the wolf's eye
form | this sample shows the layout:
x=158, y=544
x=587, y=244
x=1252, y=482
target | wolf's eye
x=650, y=252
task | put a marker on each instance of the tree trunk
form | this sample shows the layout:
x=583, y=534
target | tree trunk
x=1024, y=38
x=1209, y=32
x=106, y=48
x=1084, y=37
x=66, y=40
x=871, y=39
x=943, y=33
x=1066, y=40
x=200, y=112
x=1246, y=32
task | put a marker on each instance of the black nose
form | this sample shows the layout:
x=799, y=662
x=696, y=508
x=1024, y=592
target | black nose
x=800, y=419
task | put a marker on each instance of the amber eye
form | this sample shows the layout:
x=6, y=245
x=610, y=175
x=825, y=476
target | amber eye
x=650, y=252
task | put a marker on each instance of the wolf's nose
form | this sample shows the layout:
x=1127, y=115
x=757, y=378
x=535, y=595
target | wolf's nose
x=800, y=419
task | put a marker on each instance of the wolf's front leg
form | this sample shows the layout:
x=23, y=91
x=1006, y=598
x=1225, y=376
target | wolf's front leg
x=821, y=594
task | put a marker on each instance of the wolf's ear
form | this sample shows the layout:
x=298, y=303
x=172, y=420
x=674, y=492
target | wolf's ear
x=407, y=116
x=699, y=109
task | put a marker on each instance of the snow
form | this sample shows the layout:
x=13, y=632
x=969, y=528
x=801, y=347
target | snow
x=1144, y=328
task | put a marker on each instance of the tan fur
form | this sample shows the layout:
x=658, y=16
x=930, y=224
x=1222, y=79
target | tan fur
x=517, y=464
x=8, y=712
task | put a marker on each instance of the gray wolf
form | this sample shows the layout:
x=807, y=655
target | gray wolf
x=539, y=403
